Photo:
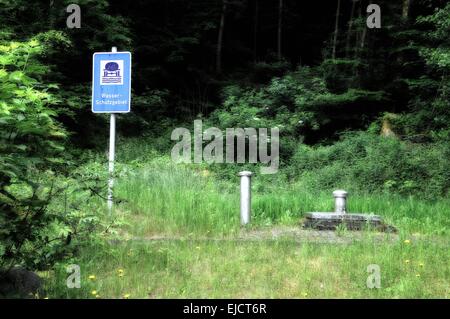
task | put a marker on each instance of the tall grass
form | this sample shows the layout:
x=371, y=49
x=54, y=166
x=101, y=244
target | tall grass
x=173, y=199
x=408, y=214
x=164, y=198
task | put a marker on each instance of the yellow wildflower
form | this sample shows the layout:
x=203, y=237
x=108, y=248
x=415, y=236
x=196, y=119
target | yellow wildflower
x=205, y=173
x=407, y=241
x=92, y=277
x=126, y=296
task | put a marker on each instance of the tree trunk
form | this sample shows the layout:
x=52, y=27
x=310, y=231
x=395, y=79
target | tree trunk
x=363, y=38
x=358, y=32
x=220, y=38
x=280, y=27
x=166, y=12
x=336, y=30
x=255, y=31
x=405, y=16
x=51, y=19
x=405, y=9
x=350, y=27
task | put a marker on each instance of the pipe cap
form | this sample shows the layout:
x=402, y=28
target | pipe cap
x=245, y=173
x=340, y=193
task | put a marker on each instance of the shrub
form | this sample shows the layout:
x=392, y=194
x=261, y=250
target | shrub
x=34, y=232
x=363, y=162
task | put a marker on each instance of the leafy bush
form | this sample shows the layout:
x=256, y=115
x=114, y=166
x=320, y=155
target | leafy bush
x=429, y=109
x=298, y=103
x=363, y=162
x=34, y=231
x=287, y=102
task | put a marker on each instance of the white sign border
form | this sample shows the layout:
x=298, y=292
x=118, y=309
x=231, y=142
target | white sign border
x=93, y=80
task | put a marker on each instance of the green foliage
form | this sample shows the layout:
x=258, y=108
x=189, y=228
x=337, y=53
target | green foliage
x=363, y=162
x=30, y=134
x=263, y=72
x=340, y=74
x=286, y=102
x=99, y=26
x=298, y=103
x=149, y=113
x=429, y=112
x=30, y=139
x=35, y=231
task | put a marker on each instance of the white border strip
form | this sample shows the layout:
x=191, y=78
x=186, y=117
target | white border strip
x=92, y=86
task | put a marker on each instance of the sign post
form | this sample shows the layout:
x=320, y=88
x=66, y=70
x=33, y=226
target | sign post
x=112, y=153
x=111, y=93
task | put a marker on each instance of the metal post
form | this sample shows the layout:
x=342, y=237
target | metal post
x=112, y=151
x=246, y=200
x=340, y=201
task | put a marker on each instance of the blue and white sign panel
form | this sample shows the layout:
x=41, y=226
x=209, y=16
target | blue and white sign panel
x=111, y=82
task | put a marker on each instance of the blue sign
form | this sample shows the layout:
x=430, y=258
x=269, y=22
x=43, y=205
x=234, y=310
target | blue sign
x=111, y=82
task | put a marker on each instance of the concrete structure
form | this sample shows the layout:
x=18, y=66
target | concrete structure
x=331, y=220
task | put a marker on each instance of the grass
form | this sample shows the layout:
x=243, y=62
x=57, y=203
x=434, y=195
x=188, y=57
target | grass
x=163, y=198
x=177, y=200
x=268, y=269
x=159, y=198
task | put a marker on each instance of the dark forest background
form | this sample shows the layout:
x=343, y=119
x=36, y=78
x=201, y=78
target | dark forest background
x=313, y=69
x=186, y=65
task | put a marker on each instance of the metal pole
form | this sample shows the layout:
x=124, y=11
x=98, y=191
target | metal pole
x=112, y=151
x=340, y=201
x=246, y=199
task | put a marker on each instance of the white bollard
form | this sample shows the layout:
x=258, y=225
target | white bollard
x=340, y=201
x=246, y=198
